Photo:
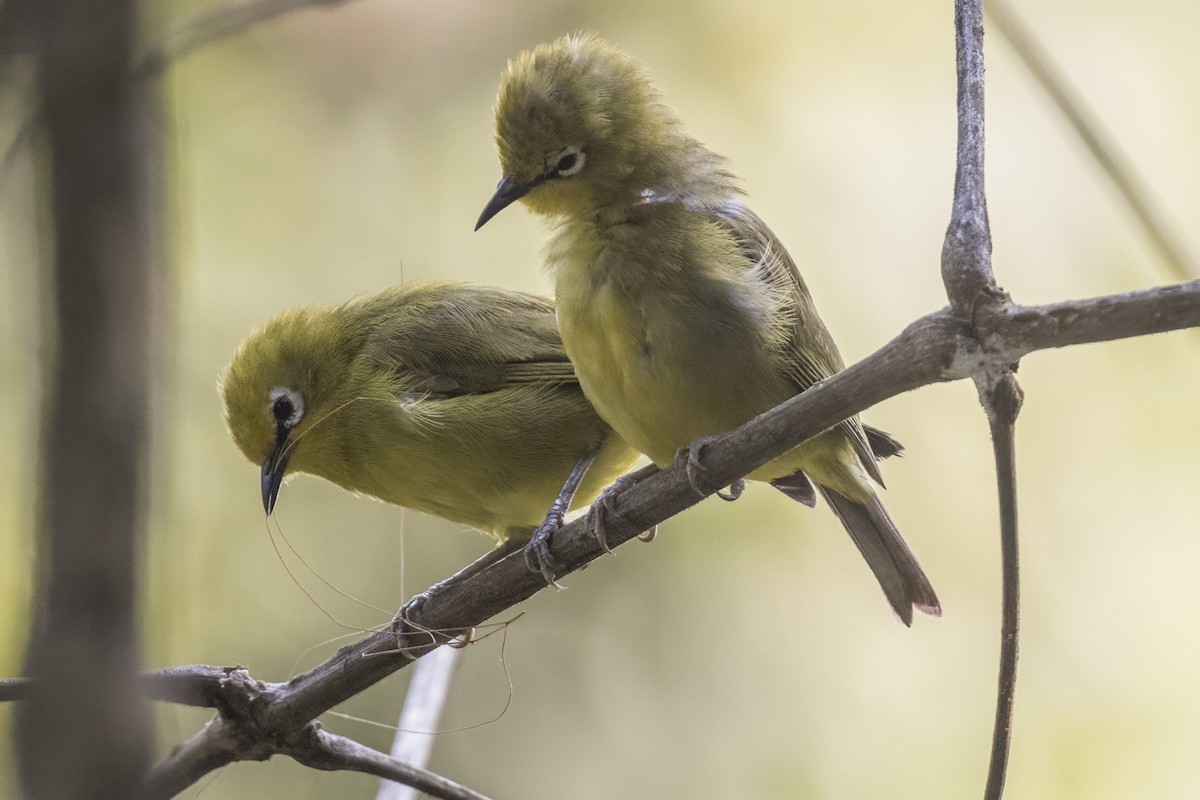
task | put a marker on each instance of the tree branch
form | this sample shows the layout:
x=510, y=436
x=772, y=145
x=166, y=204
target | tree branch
x=971, y=287
x=1003, y=403
x=212, y=747
x=15, y=689
x=938, y=347
x=967, y=251
x=1026, y=329
x=212, y=26
x=195, y=685
x=327, y=751
x=237, y=733
x=86, y=709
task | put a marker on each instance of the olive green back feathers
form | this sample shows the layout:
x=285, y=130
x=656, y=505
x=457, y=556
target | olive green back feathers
x=451, y=399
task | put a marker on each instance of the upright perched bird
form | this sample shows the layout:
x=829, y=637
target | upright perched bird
x=454, y=400
x=682, y=312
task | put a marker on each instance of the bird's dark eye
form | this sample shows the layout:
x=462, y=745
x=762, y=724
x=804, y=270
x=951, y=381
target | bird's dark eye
x=570, y=161
x=286, y=406
x=283, y=410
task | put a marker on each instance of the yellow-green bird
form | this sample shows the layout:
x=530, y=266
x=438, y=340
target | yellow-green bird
x=682, y=312
x=451, y=399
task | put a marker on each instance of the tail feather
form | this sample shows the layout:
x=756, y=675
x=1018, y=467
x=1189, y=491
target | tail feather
x=883, y=444
x=798, y=487
x=894, y=565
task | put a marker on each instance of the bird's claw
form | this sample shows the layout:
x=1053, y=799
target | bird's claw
x=537, y=552
x=693, y=467
x=735, y=490
x=460, y=642
x=689, y=456
x=597, y=524
x=597, y=514
x=403, y=623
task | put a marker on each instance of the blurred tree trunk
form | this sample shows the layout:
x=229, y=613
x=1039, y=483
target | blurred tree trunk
x=85, y=731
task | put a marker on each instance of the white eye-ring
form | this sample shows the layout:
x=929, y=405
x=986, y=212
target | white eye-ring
x=569, y=161
x=285, y=406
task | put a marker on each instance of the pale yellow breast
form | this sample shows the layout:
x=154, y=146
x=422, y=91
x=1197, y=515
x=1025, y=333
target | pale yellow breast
x=493, y=461
x=664, y=360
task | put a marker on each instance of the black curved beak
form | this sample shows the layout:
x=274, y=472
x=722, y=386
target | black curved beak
x=508, y=192
x=273, y=470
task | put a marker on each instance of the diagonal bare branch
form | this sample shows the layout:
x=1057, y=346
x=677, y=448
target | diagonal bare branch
x=321, y=749
x=237, y=733
x=212, y=747
x=207, y=27
x=938, y=347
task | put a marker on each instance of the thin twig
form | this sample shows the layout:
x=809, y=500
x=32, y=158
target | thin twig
x=194, y=685
x=212, y=747
x=1103, y=149
x=15, y=689
x=1004, y=403
x=21, y=140
x=327, y=751
x=212, y=26
x=240, y=733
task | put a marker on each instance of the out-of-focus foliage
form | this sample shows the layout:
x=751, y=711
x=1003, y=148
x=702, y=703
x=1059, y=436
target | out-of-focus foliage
x=747, y=652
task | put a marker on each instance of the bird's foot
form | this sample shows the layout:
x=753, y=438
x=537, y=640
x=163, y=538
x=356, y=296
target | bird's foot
x=413, y=636
x=537, y=552
x=689, y=456
x=597, y=514
x=403, y=624
x=735, y=490
x=403, y=621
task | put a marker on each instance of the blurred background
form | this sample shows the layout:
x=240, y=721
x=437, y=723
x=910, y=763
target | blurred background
x=747, y=652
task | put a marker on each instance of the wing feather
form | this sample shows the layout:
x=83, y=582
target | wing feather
x=807, y=352
x=448, y=339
